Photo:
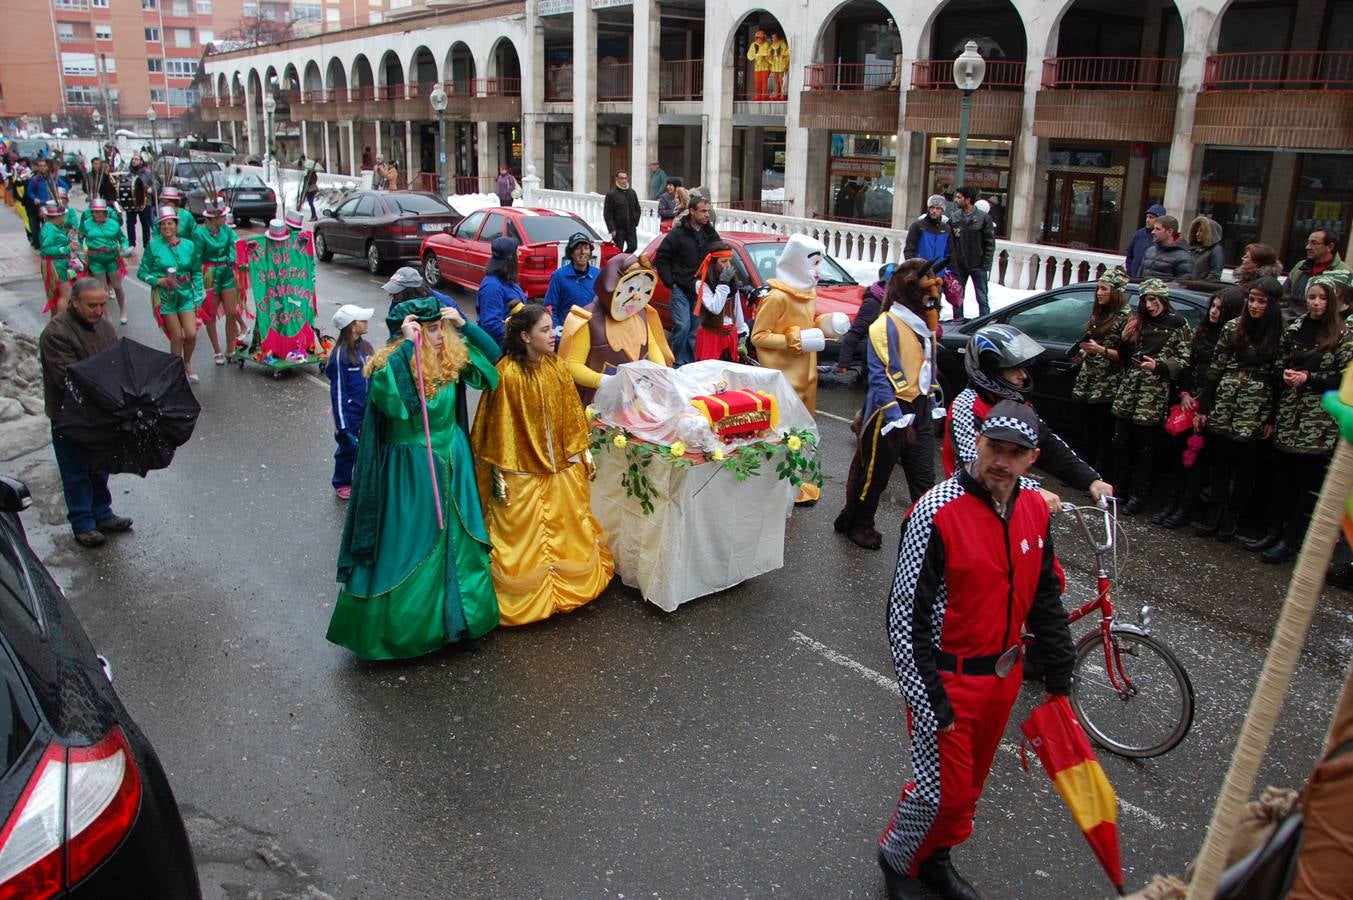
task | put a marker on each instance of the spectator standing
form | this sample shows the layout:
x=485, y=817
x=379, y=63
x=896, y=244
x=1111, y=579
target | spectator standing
x=142, y=200
x=657, y=180
x=1321, y=257
x=1205, y=246
x=310, y=187
x=621, y=212
x=975, y=246
x=77, y=333
x=678, y=258
x=1168, y=257
x=1259, y=261
x=667, y=206
x=1141, y=241
x=506, y=186
x=392, y=176
x=378, y=173
x=573, y=284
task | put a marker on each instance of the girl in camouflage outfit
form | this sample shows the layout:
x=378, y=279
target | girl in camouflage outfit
x=1155, y=351
x=1101, y=367
x=1312, y=355
x=1187, y=480
x=1236, y=408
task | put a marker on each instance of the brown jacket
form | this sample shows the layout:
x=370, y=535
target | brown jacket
x=68, y=339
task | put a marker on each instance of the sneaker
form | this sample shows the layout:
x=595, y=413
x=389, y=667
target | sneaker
x=89, y=539
x=114, y=524
x=123, y=320
x=344, y=492
x=193, y=379
x=219, y=359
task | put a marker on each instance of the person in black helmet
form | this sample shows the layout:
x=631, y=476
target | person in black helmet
x=997, y=360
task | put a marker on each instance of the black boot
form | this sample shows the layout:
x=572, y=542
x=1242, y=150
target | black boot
x=1179, y=516
x=899, y=886
x=938, y=874
x=1274, y=536
x=1170, y=509
x=1135, y=504
x=1280, y=552
x=1340, y=576
x=1226, y=526
x=1211, y=522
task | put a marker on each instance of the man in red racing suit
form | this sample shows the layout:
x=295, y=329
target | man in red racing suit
x=976, y=566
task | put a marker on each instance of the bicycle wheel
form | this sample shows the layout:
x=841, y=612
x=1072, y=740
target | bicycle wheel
x=1149, y=721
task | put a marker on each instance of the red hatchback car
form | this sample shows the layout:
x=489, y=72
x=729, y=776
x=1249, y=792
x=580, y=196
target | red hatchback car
x=460, y=255
x=756, y=255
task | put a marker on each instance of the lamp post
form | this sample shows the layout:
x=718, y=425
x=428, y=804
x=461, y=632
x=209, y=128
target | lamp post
x=154, y=142
x=269, y=107
x=98, y=122
x=969, y=70
x=438, y=100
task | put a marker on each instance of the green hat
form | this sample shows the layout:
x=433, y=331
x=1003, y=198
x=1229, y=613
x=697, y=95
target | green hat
x=1154, y=287
x=426, y=309
x=1116, y=278
x=1331, y=280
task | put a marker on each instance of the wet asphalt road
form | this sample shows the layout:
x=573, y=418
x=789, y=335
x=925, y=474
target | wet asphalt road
x=750, y=744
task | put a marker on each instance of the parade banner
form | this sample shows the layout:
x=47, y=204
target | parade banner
x=282, y=285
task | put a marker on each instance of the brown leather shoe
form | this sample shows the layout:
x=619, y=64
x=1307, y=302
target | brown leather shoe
x=89, y=539
x=114, y=525
x=865, y=537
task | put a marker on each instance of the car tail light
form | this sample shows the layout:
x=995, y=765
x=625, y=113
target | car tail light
x=272, y=196
x=538, y=262
x=80, y=800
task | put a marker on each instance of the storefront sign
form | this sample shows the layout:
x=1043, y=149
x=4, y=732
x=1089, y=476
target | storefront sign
x=554, y=7
x=863, y=167
x=1328, y=209
x=607, y=4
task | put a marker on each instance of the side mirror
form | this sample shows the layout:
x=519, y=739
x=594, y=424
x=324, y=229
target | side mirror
x=14, y=496
x=757, y=295
x=330, y=214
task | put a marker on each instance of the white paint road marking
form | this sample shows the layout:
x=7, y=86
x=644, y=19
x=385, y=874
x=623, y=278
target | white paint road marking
x=891, y=686
x=836, y=417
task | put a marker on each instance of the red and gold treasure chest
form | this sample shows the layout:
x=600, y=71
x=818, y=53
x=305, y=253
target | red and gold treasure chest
x=738, y=414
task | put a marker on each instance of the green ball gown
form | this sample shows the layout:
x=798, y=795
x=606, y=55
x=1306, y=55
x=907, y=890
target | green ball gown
x=410, y=587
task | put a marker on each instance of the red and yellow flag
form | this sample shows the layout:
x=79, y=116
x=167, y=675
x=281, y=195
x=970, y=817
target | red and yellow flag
x=1060, y=743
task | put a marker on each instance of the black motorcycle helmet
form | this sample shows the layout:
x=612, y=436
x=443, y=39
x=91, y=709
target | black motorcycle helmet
x=996, y=347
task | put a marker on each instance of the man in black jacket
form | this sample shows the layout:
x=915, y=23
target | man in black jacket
x=99, y=182
x=621, y=212
x=974, y=246
x=679, y=256
x=1168, y=257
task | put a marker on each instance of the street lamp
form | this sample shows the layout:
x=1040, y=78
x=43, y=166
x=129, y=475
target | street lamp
x=969, y=70
x=154, y=143
x=438, y=100
x=98, y=122
x=269, y=107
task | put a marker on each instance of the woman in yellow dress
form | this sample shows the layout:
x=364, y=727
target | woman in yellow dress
x=530, y=448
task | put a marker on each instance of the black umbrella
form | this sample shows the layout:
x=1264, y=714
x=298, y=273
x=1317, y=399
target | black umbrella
x=127, y=408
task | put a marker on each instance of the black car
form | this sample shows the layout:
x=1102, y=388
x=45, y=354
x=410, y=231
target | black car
x=248, y=197
x=1056, y=319
x=88, y=810
x=382, y=226
x=73, y=168
x=191, y=176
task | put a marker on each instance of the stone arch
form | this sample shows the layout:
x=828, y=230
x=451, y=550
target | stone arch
x=740, y=38
x=270, y=79
x=422, y=67
x=504, y=63
x=362, y=84
x=1226, y=7
x=236, y=85
x=336, y=78
x=853, y=49
x=291, y=77
x=948, y=27
x=222, y=86
x=459, y=68
x=390, y=79
x=1105, y=28
x=313, y=80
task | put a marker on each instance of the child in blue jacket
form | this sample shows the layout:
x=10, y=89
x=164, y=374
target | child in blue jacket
x=347, y=390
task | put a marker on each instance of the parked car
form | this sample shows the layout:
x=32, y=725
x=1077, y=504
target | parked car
x=88, y=809
x=756, y=256
x=1056, y=319
x=189, y=176
x=31, y=149
x=73, y=168
x=223, y=152
x=382, y=226
x=460, y=256
x=248, y=197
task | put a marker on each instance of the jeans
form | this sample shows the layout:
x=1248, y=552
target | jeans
x=87, y=499
x=683, y=327
x=345, y=455
x=979, y=287
x=310, y=198
x=145, y=218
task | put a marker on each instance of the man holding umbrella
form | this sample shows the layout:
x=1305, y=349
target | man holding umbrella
x=77, y=333
x=975, y=568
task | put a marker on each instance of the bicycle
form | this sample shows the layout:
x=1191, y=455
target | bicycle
x=1128, y=689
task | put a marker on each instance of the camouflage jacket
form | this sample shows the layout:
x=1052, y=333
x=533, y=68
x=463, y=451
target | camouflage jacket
x=1303, y=426
x=1098, y=377
x=1238, y=393
x=1144, y=397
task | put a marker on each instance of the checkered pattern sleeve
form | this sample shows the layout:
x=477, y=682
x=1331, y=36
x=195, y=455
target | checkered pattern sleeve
x=916, y=610
x=963, y=427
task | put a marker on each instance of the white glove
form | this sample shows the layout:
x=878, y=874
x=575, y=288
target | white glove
x=904, y=422
x=937, y=412
x=812, y=340
x=837, y=324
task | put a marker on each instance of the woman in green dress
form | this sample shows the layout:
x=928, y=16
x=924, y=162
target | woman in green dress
x=416, y=579
x=216, y=248
x=171, y=266
x=105, y=242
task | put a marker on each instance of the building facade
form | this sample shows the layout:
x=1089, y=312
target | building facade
x=1090, y=111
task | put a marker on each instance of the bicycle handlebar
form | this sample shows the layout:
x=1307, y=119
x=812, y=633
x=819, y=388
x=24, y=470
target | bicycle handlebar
x=1107, y=508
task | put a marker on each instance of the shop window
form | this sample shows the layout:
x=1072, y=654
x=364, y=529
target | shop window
x=987, y=169
x=1323, y=199
x=1231, y=191
x=860, y=177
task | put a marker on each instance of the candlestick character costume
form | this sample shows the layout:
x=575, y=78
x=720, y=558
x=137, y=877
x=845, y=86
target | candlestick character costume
x=788, y=332
x=54, y=245
x=160, y=255
x=530, y=445
x=613, y=329
x=904, y=398
x=415, y=579
x=216, y=249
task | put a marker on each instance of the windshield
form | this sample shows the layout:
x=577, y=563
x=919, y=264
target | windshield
x=543, y=229
x=245, y=180
x=765, y=258
x=417, y=204
x=196, y=170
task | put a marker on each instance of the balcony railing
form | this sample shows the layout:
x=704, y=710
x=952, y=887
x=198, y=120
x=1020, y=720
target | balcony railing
x=559, y=83
x=849, y=77
x=938, y=74
x=496, y=87
x=420, y=90
x=1121, y=73
x=392, y=91
x=681, y=79
x=1328, y=70
x=615, y=82
x=364, y=92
